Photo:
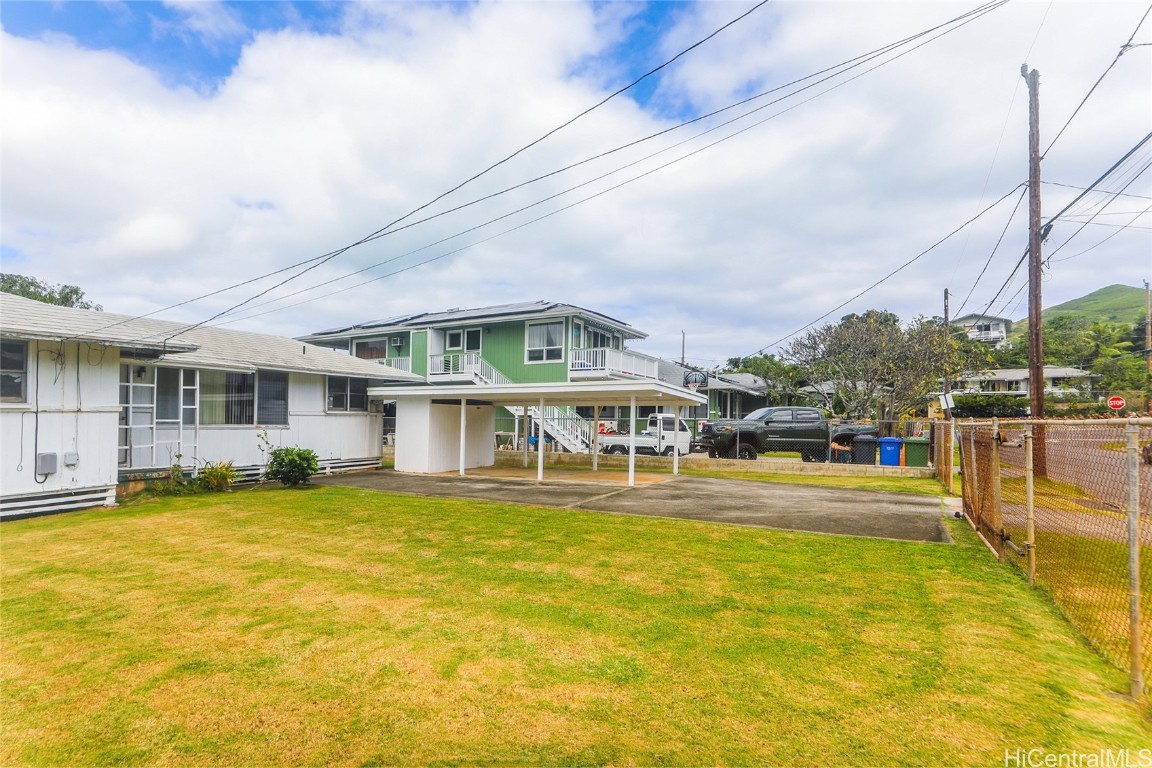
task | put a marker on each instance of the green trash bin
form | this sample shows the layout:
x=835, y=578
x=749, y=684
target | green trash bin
x=915, y=451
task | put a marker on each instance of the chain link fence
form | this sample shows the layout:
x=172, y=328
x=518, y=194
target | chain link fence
x=1069, y=503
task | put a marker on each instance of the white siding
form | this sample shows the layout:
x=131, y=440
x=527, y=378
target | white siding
x=72, y=406
x=428, y=436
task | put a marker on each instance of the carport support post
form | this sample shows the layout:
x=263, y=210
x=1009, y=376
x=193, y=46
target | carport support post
x=1030, y=505
x=595, y=438
x=527, y=431
x=540, y=446
x=1131, y=434
x=632, y=442
x=676, y=443
x=463, y=432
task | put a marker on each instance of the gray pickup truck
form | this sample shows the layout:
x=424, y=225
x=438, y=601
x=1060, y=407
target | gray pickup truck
x=784, y=428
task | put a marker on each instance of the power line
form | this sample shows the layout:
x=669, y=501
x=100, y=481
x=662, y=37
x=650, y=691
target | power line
x=886, y=49
x=1101, y=191
x=324, y=258
x=898, y=269
x=1124, y=48
x=995, y=248
x=506, y=215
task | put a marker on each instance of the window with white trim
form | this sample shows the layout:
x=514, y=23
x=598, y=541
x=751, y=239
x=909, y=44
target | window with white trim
x=545, y=342
x=13, y=371
x=454, y=340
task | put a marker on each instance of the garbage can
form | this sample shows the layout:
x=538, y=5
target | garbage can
x=916, y=452
x=890, y=451
x=864, y=450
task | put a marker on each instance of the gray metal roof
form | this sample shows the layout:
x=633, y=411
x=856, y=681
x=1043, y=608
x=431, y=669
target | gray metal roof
x=203, y=347
x=528, y=309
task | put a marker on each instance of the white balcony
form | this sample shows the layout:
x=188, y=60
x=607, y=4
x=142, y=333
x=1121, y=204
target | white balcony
x=610, y=363
x=399, y=363
x=457, y=366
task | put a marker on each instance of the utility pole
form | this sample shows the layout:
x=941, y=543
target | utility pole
x=947, y=346
x=1035, y=239
x=683, y=359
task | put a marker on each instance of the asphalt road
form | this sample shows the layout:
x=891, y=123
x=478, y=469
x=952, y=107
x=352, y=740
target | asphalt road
x=735, y=502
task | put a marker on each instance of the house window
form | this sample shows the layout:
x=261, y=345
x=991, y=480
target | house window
x=347, y=394
x=454, y=340
x=545, y=342
x=272, y=398
x=577, y=334
x=13, y=371
x=472, y=339
x=372, y=350
x=227, y=398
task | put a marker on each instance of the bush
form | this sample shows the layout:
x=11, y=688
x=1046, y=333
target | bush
x=216, y=476
x=987, y=406
x=292, y=466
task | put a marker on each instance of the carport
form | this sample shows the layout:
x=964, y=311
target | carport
x=445, y=428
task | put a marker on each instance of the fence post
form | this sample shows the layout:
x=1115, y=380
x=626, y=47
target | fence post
x=997, y=515
x=949, y=429
x=1131, y=434
x=1030, y=505
x=977, y=506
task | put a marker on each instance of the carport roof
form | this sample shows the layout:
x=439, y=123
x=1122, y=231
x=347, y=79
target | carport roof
x=562, y=393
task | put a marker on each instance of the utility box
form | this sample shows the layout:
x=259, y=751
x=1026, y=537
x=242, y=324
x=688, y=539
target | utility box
x=46, y=463
x=71, y=459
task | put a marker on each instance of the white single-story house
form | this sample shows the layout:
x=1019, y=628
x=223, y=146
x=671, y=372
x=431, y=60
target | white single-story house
x=1058, y=379
x=90, y=400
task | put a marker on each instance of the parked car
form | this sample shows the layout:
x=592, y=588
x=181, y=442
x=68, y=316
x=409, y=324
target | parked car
x=785, y=428
x=658, y=439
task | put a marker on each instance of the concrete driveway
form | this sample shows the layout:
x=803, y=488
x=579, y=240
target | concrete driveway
x=736, y=502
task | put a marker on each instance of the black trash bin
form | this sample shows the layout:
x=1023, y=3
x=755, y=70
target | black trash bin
x=864, y=450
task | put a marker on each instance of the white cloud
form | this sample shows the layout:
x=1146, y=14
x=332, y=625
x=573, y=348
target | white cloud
x=146, y=195
x=209, y=20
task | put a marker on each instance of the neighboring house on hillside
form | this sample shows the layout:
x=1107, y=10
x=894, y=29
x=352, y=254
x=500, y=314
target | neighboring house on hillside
x=538, y=343
x=985, y=328
x=1014, y=381
x=90, y=400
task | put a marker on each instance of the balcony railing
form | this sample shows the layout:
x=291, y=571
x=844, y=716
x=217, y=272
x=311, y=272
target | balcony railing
x=454, y=364
x=593, y=362
x=399, y=363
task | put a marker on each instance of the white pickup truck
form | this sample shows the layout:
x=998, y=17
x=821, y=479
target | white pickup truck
x=657, y=440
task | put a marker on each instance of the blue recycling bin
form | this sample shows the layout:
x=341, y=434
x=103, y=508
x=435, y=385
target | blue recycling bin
x=890, y=451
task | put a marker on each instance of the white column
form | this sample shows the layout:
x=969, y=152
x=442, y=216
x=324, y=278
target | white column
x=463, y=432
x=595, y=438
x=632, y=441
x=540, y=445
x=527, y=429
x=676, y=443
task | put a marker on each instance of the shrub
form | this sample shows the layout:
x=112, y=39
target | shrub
x=987, y=406
x=292, y=466
x=218, y=476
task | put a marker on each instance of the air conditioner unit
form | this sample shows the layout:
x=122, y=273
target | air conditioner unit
x=397, y=341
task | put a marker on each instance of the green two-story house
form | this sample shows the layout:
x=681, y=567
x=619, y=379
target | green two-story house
x=529, y=343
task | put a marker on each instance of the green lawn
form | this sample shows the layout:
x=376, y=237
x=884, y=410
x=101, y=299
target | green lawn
x=334, y=625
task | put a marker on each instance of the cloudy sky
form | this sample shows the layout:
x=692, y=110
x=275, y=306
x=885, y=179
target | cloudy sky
x=153, y=153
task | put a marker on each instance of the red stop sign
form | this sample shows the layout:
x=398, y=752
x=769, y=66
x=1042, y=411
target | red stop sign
x=1116, y=402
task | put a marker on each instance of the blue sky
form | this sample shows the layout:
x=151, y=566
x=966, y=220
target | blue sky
x=186, y=44
x=155, y=152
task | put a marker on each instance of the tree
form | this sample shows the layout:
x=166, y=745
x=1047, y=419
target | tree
x=784, y=380
x=878, y=368
x=37, y=290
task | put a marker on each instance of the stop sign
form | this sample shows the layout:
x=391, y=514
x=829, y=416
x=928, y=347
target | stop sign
x=1116, y=402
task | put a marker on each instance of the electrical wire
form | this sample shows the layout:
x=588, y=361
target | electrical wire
x=898, y=269
x=598, y=178
x=1124, y=48
x=995, y=248
x=965, y=19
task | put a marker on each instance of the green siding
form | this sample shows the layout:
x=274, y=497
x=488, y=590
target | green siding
x=405, y=348
x=503, y=347
x=419, y=344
